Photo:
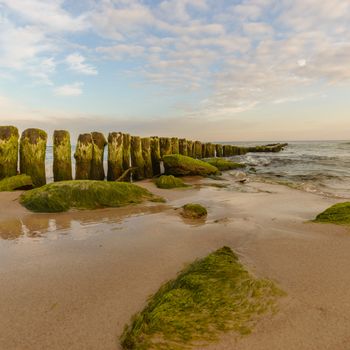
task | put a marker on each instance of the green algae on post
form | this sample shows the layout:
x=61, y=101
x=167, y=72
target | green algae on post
x=197, y=150
x=165, y=146
x=219, y=151
x=136, y=158
x=211, y=296
x=8, y=151
x=336, y=214
x=169, y=181
x=83, y=194
x=176, y=164
x=115, y=156
x=126, y=154
x=190, y=148
x=183, y=147
x=62, y=158
x=155, y=155
x=175, y=145
x=146, y=155
x=193, y=211
x=224, y=164
x=98, y=149
x=83, y=157
x=17, y=182
x=32, y=155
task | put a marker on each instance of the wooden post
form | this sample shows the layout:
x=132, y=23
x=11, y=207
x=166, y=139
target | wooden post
x=219, y=151
x=8, y=151
x=126, y=155
x=146, y=155
x=197, y=153
x=83, y=157
x=155, y=155
x=190, y=148
x=115, y=156
x=165, y=146
x=175, y=145
x=62, y=156
x=98, y=149
x=136, y=158
x=183, y=147
x=32, y=155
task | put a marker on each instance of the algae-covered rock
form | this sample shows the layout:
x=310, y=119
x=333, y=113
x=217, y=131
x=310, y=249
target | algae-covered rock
x=83, y=194
x=193, y=211
x=224, y=164
x=190, y=146
x=183, y=147
x=62, y=158
x=155, y=155
x=197, y=150
x=17, y=182
x=219, y=151
x=213, y=295
x=336, y=214
x=146, y=155
x=176, y=164
x=165, y=146
x=83, y=157
x=32, y=155
x=98, y=148
x=8, y=151
x=169, y=181
x=137, y=161
x=115, y=156
x=174, y=145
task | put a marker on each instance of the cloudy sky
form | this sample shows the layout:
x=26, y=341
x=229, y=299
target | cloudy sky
x=216, y=70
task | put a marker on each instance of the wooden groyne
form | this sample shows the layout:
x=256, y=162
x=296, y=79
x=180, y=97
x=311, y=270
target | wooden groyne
x=127, y=154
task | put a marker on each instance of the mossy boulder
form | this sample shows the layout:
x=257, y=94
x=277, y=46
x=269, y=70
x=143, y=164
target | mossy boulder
x=169, y=181
x=8, y=151
x=83, y=194
x=224, y=164
x=213, y=295
x=176, y=164
x=17, y=182
x=193, y=211
x=336, y=214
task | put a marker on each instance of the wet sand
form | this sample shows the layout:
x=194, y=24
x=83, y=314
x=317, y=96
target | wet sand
x=73, y=280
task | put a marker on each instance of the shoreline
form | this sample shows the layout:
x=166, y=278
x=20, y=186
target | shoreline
x=77, y=281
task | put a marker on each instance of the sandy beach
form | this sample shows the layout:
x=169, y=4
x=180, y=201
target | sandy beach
x=73, y=280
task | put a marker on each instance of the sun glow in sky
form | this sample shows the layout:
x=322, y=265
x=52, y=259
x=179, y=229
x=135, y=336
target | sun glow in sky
x=215, y=70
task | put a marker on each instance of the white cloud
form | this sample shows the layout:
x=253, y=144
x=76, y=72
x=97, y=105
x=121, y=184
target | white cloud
x=76, y=62
x=74, y=89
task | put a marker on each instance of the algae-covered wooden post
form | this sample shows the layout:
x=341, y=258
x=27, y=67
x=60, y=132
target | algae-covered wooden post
x=83, y=157
x=155, y=155
x=203, y=150
x=98, y=149
x=115, y=156
x=136, y=158
x=146, y=155
x=32, y=155
x=126, y=155
x=219, y=151
x=62, y=157
x=190, y=148
x=165, y=146
x=197, y=150
x=174, y=145
x=8, y=151
x=183, y=147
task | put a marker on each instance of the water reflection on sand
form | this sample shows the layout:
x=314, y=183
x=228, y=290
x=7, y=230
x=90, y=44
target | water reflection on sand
x=51, y=225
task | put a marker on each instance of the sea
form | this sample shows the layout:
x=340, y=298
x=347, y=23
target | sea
x=321, y=167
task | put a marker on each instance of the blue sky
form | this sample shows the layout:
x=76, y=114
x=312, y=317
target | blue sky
x=202, y=69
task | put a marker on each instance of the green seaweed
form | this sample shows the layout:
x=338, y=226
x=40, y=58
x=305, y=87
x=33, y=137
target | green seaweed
x=62, y=159
x=83, y=194
x=176, y=164
x=169, y=181
x=336, y=214
x=224, y=164
x=32, y=155
x=16, y=182
x=211, y=296
x=115, y=156
x=194, y=211
x=8, y=151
